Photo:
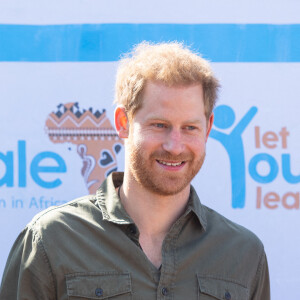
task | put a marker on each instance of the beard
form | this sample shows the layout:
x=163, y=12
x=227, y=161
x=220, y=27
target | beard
x=160, y=181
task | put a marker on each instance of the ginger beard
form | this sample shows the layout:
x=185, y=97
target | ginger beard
x=157, y=180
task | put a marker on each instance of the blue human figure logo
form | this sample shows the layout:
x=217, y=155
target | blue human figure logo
x=233, y=144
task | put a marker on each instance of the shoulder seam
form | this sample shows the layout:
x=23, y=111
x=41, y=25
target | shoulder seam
x=41, y=214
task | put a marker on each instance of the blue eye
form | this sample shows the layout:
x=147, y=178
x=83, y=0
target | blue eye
x=190, y=127
x=159, y=125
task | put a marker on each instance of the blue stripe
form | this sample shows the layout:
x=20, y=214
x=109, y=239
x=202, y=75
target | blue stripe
x=107, y=42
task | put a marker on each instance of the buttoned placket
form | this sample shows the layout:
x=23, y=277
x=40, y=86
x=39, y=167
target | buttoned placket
x=168, y=270
x=134, y=234
x=165, y=278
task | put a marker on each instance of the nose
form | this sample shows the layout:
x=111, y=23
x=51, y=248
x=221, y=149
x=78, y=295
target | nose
x=173, y=142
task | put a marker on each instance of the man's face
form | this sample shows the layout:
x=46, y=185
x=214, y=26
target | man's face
x=167, y=137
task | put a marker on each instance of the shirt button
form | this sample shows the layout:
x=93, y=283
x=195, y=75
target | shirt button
x=164, y=291
x=227, y=296
x=98, y=292
x=132, y=229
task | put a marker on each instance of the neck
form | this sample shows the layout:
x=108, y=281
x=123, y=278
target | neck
x=154, y=214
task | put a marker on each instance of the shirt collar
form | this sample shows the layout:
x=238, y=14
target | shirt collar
x=109, y=201
x=196, y=207
x=113, y=210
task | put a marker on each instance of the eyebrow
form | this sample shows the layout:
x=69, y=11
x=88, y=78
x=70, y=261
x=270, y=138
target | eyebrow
x=156, y=118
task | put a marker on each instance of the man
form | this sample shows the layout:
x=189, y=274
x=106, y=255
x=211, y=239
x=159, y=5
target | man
x=145, y=234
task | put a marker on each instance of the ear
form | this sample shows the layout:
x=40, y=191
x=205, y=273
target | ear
x=209, y=125
x=121, y=122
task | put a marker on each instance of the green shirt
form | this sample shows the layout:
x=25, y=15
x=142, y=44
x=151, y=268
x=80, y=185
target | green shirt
x=89, y=249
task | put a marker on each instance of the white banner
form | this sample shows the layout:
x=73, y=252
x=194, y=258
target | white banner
x=58, y=63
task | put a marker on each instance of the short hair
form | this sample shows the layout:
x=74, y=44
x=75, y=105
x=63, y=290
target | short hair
x=172, y=64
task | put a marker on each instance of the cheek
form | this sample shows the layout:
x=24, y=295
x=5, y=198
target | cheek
x=147, y=143
x=138, y=139
x=146, y=139
x=196, y=145
x=139, y=143
x=135, y=135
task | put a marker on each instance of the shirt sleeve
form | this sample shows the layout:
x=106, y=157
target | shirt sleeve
x=27, y=273
x=261, y=289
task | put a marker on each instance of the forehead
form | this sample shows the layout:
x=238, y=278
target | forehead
x=159, y=98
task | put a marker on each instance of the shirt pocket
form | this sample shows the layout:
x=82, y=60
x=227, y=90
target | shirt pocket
x=108, y=285
x=222, y=289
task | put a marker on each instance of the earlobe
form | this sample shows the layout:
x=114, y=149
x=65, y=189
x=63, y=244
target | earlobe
x=209, y=125
x=121, y=122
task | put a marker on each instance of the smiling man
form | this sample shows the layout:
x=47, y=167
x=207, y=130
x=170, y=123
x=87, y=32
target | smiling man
x=165, y=148
x=145, y=234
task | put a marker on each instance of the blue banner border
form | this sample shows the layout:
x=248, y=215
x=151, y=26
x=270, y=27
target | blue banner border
x=107, y=42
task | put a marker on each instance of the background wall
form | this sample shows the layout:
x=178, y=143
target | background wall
x=66, y=52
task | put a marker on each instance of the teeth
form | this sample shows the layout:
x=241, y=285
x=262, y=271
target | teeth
x=170, y=164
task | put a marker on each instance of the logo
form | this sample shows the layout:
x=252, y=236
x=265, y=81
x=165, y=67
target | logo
x=91, y=131
x=270, y=141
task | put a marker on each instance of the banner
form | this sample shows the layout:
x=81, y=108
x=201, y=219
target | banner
x=59, y=143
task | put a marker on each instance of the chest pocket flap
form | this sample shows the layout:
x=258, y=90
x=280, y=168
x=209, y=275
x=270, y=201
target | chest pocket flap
x=222, y=289
x=98, y=285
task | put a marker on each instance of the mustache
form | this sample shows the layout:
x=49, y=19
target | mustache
x=163, y=155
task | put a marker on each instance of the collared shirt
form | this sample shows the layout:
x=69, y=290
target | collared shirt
x=89, y=249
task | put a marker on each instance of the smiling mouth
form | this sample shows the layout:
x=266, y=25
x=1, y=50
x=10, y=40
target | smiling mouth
x=170, y=164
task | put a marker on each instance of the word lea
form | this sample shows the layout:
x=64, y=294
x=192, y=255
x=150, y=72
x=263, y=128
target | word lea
x=272, y=200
